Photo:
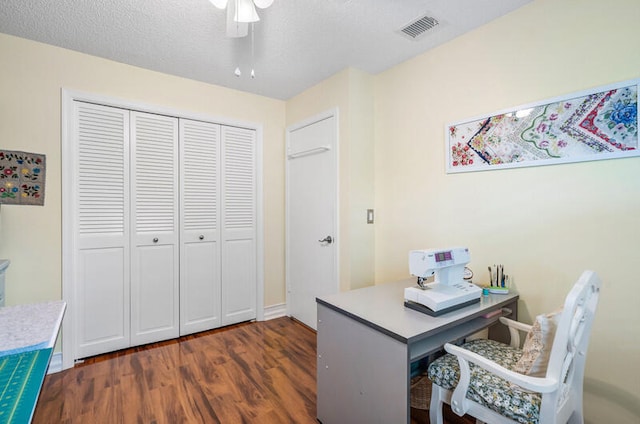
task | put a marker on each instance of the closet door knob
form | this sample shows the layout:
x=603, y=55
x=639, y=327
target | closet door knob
x=201, y=237
x=155, y=239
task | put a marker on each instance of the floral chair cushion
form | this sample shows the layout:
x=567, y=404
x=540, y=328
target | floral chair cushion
x=488, y=389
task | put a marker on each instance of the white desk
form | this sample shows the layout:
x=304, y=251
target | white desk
x=367, y=341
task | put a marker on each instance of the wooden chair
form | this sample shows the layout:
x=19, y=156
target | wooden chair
x=538, y=383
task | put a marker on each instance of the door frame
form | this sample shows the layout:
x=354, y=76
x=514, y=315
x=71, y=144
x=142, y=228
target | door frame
x=331, y=113
x=68, y=224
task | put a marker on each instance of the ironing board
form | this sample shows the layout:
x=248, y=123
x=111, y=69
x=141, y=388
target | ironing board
x=27, y=336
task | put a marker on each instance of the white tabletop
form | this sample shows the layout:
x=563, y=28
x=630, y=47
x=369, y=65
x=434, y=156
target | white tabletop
x=382, y=307
x=28, y=327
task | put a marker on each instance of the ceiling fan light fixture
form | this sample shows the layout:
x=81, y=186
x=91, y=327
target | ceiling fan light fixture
x=235, y=29
x=246, y=11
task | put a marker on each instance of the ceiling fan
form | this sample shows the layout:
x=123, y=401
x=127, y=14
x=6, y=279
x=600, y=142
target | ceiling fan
x=240, y=13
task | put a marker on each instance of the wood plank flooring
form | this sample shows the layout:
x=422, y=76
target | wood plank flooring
x=261, y=372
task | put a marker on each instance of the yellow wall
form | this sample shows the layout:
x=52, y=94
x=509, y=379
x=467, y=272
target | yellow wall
x=545, y=224
x=31, y=78
x=351, y=92
x=361, y=177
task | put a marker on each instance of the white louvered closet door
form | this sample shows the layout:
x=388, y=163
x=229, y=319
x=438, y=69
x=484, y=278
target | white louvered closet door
x=100, y=167
x=199, y=220
x=154, y=259
x=239, y=189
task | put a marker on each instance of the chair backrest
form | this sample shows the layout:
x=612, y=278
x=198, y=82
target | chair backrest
x=569, y=351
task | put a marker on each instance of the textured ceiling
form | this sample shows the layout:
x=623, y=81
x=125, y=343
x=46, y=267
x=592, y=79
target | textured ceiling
x=298, y=43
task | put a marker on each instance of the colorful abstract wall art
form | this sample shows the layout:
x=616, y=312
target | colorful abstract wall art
x=22, y=178
x=591, y=125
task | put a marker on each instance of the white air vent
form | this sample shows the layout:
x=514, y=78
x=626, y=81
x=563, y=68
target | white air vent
x=419, y=27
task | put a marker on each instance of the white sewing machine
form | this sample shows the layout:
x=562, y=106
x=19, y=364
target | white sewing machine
x=449, y=291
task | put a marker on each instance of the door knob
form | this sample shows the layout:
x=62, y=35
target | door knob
x=327, y=239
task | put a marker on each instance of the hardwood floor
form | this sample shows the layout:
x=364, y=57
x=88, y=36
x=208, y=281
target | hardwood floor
x=262, y=372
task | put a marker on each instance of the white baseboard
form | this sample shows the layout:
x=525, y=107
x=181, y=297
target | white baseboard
x=275, y=311
x=56, y=363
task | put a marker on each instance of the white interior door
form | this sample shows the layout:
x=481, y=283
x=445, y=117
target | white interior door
x=99, y=167
x=200, y=290
x=121, y=228
x=154, y=259
x=312, y=215
x=239, y=224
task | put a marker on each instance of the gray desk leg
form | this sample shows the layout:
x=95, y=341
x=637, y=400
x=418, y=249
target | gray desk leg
x=362, y=373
